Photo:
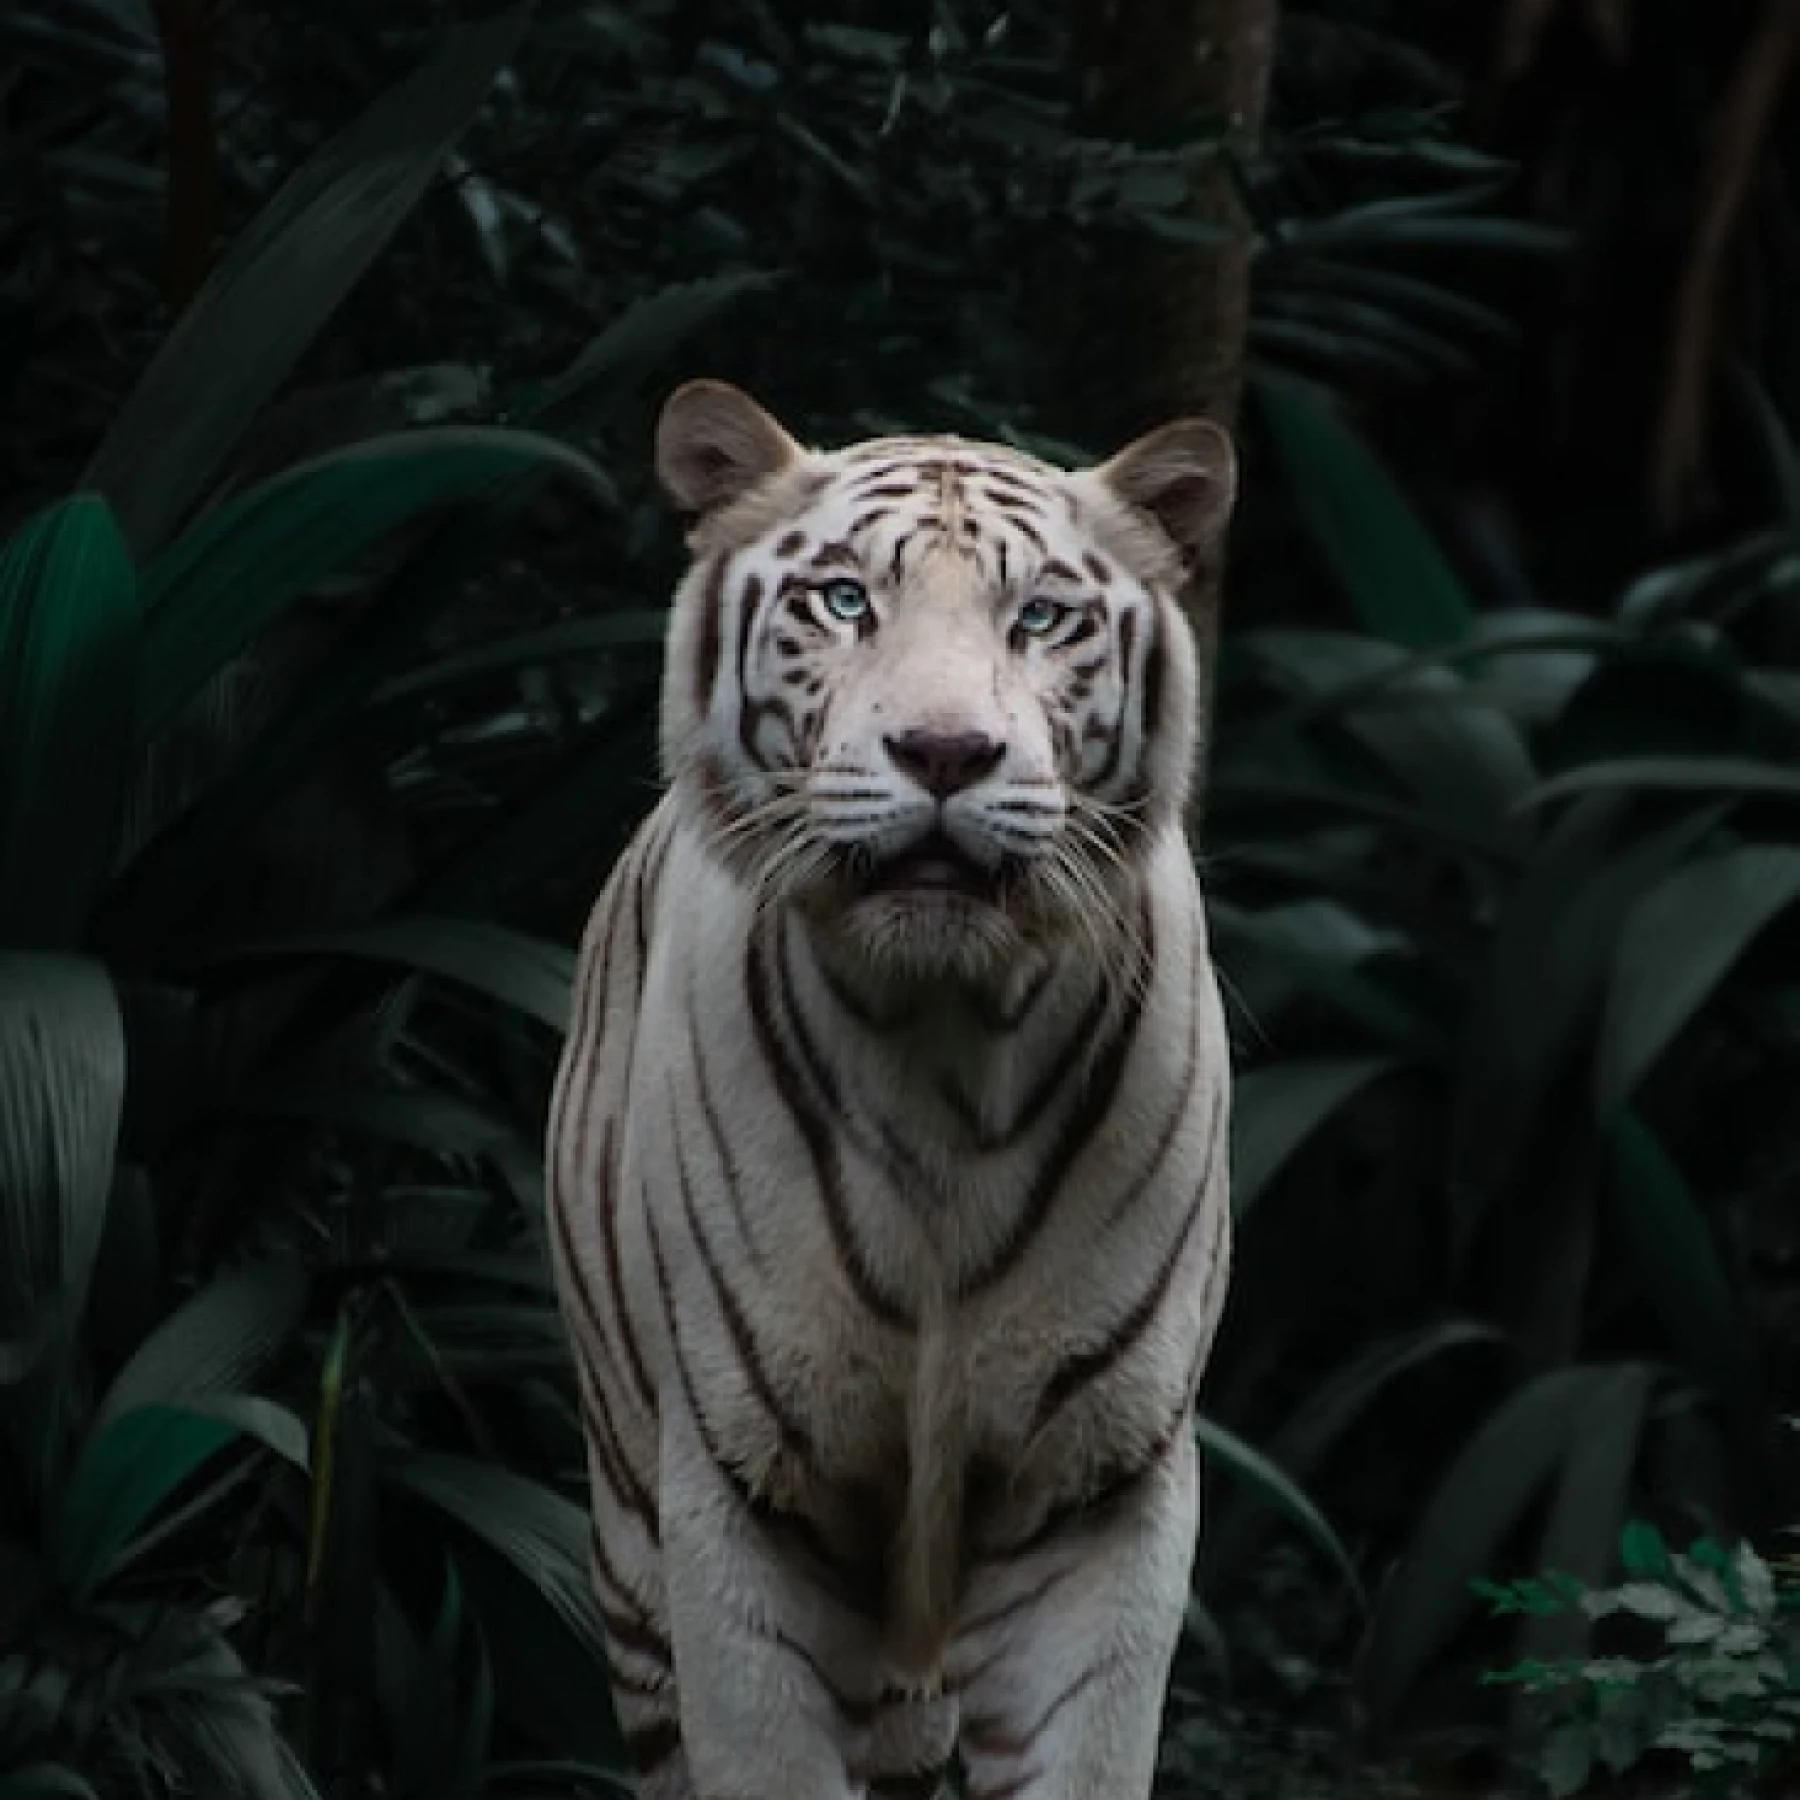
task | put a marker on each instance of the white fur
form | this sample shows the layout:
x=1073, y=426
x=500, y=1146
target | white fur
x=923, y=1446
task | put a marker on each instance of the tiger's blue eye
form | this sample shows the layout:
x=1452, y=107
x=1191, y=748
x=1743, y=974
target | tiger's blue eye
x=1038, y=616
x=845, y=599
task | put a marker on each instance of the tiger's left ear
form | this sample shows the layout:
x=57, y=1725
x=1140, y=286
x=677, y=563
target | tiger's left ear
x=1184, y=475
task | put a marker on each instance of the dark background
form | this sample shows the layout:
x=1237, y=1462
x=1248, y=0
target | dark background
x=329, y=623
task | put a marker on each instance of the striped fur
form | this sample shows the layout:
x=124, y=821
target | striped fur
x=887, y=1155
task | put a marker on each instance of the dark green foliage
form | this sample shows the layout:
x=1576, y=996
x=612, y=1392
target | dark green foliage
x=328, y=629
x=1720, y=1692
x=283, y=1379
x=1526, y=998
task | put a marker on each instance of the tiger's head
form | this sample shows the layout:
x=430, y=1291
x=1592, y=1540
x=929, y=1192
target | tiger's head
x=938, y=694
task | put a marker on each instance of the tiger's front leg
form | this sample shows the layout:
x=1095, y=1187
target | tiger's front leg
x=774, y=1674
x=1062, y=1655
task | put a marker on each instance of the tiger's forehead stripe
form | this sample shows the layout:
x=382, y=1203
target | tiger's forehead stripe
x=904, y=468
x=881, y=504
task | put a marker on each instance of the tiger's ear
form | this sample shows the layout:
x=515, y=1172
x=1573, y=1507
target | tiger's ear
x=1184, y=475
x=714, y=444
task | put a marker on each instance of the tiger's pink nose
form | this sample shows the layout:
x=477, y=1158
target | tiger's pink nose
x=944, y=762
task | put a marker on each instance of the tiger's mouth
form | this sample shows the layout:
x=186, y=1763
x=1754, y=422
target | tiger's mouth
x=932, y=866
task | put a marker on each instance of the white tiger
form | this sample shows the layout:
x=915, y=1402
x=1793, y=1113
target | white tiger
x=888, y=1149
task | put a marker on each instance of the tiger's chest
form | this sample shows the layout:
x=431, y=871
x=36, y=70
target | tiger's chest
x=865, y=1327
x=903, y=1301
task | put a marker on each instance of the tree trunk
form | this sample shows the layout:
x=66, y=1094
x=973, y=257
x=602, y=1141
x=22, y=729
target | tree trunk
x=186, y=28
x=1162, y=326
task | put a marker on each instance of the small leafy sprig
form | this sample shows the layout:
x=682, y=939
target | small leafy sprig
x=1721, y=1690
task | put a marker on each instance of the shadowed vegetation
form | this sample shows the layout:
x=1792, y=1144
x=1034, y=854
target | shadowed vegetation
x=331, y=603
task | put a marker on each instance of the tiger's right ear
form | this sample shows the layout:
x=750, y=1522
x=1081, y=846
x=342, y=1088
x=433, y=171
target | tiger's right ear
x=714, y=444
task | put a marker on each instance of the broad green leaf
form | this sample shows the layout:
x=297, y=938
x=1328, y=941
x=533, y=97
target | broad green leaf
x=153, y=904
x=46, y=1781
x=431, y=1696
x=1673, y=695
x=1692, y=586
x=1343, y=804
x=1678, y=943
x=281, y=280
x=632, y=630
x=585, y=810
x=1391, y=571
x=1404, y=294
x=451, y=1683
x=216, y=1715
x=1778, y=448
x=62, y=1086
x=1384, y=1002
x=1679, y=1269
x=1538, y=996
x=530, y=974
x=1495, y=639
x=1735, y=777
x=1314, y=933
x=1643, y=1553
x=1426, y=726
x=1589, y=1505
x=252, y=1420
x=1278, y=338
x=1313, y=952
x=1566, y=1762
x=267, y=1423
x=1373, y=216
x=1277, y=1109
x=1529, y=662
x=491, y=1339
x=131, y=1466
x=1371, y=228
x=1497, y=1475
x=1322, y=1421
x=445, y=1124
x=550, y=1780
x=250, y=1756
x=215, y=1343
x=1383, y=336
x=1533, y=683
x=229, y=574
x=635, y=344
x=128, y=1291
x=68, y=677
x=1776, y=690
x=506, y=1270
x=399, y=1677
x=1280, y=1491
x=542, y=1536
x=549, y=1679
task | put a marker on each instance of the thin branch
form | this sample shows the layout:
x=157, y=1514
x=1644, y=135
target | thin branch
x=189, y=70
x=1164, y=326
x=1521, y=31
x=1745, y=116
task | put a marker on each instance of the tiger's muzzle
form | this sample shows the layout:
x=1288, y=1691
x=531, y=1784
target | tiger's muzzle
x=935, y=864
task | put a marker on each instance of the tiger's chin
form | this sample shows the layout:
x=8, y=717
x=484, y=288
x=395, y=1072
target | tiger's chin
x=933, y=916
x=924, y=915
x=923, y=935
